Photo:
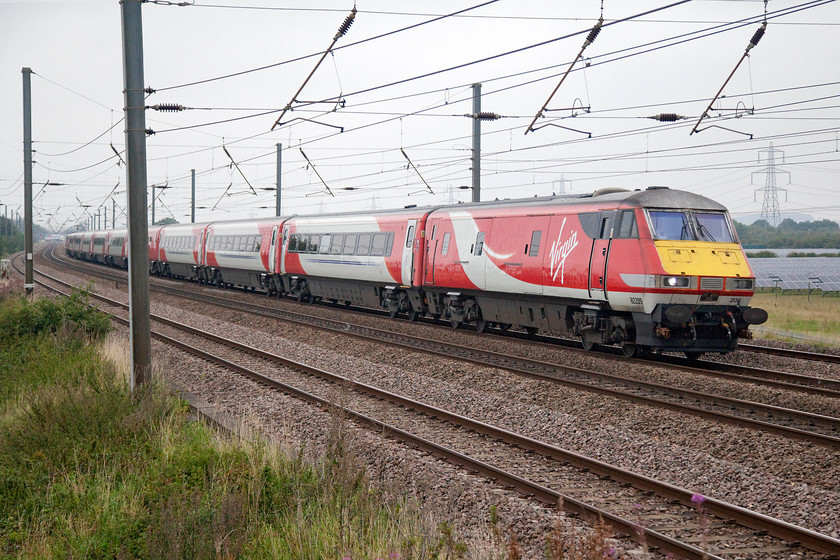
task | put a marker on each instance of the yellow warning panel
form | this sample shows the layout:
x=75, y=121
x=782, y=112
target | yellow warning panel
x=702, y=258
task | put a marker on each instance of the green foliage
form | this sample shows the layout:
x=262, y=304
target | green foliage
x=762, y=255
x=22, y=317
x=88, y=470
x=817, y=234
x=795, y=254
x=10, y=243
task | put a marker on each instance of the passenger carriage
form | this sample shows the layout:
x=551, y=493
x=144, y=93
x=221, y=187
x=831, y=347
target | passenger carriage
x=180, y=249
x=243, y=253
x=368, y=259
x=116, y=247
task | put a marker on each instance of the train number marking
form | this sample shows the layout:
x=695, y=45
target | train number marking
x=635, y=301
x=735, y=300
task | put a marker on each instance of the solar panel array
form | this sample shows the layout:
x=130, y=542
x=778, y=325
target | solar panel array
x=800, y=273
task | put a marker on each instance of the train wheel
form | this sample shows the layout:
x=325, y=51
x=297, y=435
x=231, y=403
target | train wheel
x=587, y=344
x=455, y=323
x=693, y=356
x=629, y=350
x=504, y=327
x=392, y=312
x=481, y=326
x=412, y=314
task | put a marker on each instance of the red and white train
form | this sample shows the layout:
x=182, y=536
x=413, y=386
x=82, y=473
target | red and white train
x=658, y=269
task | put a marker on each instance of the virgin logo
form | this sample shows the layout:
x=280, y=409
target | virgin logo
x=560, y=250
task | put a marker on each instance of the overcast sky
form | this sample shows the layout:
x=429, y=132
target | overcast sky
x=674, y=60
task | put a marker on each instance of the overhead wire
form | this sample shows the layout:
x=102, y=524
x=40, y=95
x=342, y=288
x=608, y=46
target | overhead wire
x=348, y=45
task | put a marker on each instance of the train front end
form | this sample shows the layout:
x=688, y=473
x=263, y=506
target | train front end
x=699, y=283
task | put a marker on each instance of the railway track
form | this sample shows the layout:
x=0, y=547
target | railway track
x=815, y=428
x=789, y=353
x=659, y=514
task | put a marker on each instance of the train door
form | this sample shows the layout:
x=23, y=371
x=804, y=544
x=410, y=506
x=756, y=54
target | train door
x=272, y=250
x=284, y=238
x=431, y=252
x=408, y=253
x=600, y=254
x=199, y=250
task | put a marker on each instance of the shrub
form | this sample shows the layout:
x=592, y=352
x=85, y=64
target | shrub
x=25, y=318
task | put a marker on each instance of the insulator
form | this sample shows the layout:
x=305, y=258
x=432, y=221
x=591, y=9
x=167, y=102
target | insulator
x=667, y=117
x=593, y=33
x=150, y=90
x=759, y=33
x=348, y=21
x=149, y=132
x=168, y=107
x=487, y=116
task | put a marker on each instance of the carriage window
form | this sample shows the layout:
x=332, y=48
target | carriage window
x=336, y=243
x=627, y=229
x=671, y=225
x=380, y=242
x=325, y=244
x=314, y=242
x=444, y=248
x=479, y=244
x=293, y=243
x=606, y=226
x=363, y=248
x=434, y=232
x=389, y=244
x=409, y=238
x=712, y=227
x=535, y=243
x=349, y=244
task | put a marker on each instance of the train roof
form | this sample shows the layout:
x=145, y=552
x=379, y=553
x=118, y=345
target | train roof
x=652, y=197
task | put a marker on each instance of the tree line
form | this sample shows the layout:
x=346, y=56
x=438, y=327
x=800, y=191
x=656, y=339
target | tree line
x=789, y=234
x=11, y=238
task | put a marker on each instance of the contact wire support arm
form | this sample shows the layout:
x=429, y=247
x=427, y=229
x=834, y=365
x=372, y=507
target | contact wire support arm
x=589, y=40
x=329, y=190
x=348, y=21
x=759, y=33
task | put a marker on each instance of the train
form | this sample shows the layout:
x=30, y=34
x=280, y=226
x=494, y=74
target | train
x=650, y=270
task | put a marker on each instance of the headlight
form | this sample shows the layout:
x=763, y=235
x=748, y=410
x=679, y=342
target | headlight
x=675, y=281
x=740, y=283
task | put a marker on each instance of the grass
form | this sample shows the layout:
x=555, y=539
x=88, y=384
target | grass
x=814, y=320
x=88, y=470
